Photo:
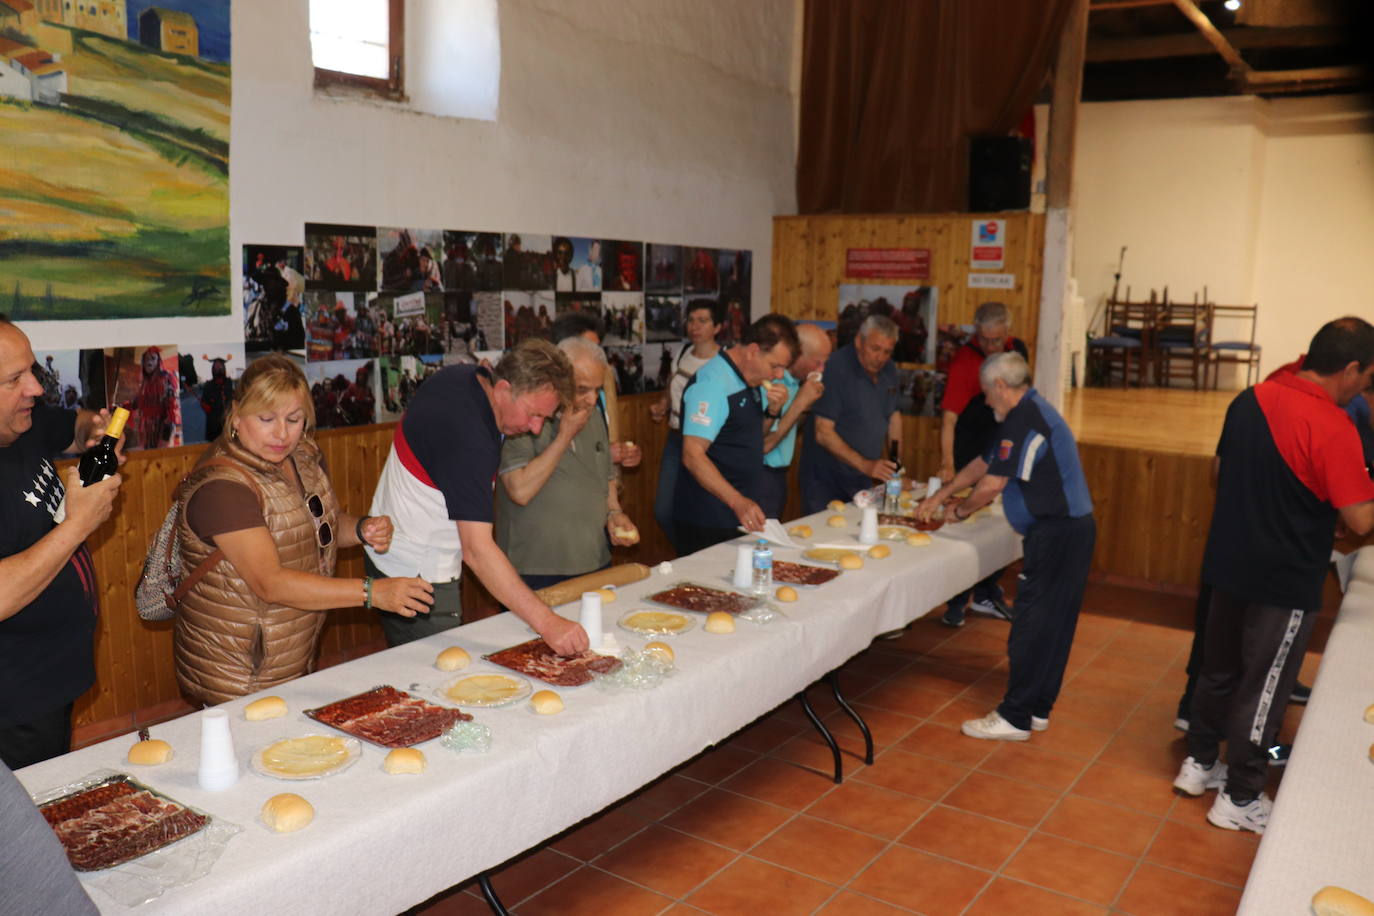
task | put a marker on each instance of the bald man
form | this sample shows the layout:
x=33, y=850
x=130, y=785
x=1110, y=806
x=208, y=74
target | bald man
x=804, y=388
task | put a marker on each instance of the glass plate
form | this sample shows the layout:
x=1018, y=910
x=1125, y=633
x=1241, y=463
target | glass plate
x=523, y=689
x=687, y=622
x=353, y=749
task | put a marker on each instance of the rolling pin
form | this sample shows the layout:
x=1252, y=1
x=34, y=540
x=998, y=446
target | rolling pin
x=572, y=589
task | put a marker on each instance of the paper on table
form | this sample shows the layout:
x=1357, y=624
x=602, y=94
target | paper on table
x=1345, y=566
x=772, y=531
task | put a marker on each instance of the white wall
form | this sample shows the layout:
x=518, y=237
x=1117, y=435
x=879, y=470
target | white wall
x=1258, y=201
x=661, y=120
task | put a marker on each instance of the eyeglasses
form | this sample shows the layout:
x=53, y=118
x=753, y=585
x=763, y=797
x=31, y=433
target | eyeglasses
x=324, y=534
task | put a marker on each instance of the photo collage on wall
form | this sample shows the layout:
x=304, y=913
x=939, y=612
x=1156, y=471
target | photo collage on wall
x=923, y=347
x=371, y=312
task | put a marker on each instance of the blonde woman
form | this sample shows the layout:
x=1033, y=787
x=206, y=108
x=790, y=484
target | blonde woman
x=261, y=499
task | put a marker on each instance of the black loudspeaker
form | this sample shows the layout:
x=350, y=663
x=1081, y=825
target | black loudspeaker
x=999, y=174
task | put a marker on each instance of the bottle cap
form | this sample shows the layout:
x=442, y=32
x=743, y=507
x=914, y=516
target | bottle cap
x=115, y=428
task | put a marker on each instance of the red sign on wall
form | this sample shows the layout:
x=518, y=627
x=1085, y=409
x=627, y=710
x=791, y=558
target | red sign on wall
x=891, y=263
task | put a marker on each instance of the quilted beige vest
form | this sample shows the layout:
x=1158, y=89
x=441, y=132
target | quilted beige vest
x=226, y=641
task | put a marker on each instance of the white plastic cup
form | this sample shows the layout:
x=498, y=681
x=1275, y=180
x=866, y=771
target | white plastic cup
x=933, y=486
x=868, y=528
x=744, y=566
x=591, y=618
x=219, y=768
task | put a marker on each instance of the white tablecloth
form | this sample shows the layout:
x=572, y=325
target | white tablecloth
x=380, y=843
x=1318, y=833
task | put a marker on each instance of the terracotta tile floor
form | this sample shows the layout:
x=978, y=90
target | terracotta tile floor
x=1080, y=819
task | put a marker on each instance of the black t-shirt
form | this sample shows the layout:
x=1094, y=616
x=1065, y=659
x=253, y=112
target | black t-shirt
x=976, y=424
x=47, y=655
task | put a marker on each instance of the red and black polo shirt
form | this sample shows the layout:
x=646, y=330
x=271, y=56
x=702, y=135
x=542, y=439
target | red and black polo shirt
x=1290, y=459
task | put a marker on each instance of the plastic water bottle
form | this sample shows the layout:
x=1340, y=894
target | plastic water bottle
x=892, y=494
x=763, y=568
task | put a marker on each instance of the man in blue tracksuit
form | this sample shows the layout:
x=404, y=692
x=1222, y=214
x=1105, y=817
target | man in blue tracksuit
x=1033, y=461
x=723, y=423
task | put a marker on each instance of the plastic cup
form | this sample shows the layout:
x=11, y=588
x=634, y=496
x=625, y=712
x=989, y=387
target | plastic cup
x=868, y=528
x=219, y=768
x=744, y=566
x=591, y=618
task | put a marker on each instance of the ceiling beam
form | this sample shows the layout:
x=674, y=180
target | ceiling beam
x=1125, y=4
x=1269, y=81
x=1192, y=44
x=1214, y=37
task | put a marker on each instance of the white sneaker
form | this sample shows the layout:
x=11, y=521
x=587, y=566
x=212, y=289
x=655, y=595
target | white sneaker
x=1194, y=778
x=1038, y=724
x=1230, y=816
x=994, y=727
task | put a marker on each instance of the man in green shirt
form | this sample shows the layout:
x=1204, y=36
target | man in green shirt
x=558, y=509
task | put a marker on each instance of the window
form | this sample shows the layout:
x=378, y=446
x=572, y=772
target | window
x=359, y=43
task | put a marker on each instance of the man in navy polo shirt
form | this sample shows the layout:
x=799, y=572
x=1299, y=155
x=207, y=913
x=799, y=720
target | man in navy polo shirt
x=1289, y=470
x=723, y=422
x=854, y=420
x=1033, y=461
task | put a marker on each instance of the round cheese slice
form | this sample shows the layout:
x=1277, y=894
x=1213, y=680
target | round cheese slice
x=302, y=758
x=650, y=623
x=828, y=554
x=486, y=690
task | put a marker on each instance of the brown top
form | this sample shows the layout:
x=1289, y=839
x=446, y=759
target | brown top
x=220, y=506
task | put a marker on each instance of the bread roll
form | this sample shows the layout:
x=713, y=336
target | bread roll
x=1337, y=901
x=851, y=561
x=879, y=551
x=787, y=593
x=287, y=812
x=719, y=622
x=835, y=505
x=607, y=595
x=454, y=658
x=918, y=539
x=570, y=590
x=150, y=753
x=800, y=531
x=266, y=708
x=629, y=535
x=837, y=521
x=1369, y=715
x=662, y=650
x=404, y=760
x=547, y=703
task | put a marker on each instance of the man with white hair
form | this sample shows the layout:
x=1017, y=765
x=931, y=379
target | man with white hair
x=1033, y=460
x=967, y=424
x=558, y=501
x=855, y=420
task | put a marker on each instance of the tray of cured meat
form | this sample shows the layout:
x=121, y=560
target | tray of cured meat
x=911, y=521
x=536, y=659
x=388, y=717
x=117, y=820
x=702, y=598
x=802, y=573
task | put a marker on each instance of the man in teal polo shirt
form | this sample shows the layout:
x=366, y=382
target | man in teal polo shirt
x=804, y=387
x=723, y=422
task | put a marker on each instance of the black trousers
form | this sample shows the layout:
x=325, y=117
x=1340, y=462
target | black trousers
x=1250, y=663
x=692, y=538
x=1195, y=652
x=41, y=738
x=773, y=492
x=1058, y=555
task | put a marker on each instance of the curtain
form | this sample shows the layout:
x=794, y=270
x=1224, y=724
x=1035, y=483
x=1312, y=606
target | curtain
x=893, y=89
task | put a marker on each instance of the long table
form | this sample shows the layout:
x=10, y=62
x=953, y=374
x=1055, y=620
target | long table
x=1318, y=833
x=381, y=843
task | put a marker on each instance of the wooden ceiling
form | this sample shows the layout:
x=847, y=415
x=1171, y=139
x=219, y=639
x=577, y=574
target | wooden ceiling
x=1152, y=49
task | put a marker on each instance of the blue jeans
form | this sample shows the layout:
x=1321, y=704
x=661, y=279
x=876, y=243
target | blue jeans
x=668, y=470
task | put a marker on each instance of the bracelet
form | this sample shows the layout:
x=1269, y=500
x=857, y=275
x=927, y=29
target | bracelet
x=358, y=528
x=773, y=416
x=957, y=516
x=367, y=592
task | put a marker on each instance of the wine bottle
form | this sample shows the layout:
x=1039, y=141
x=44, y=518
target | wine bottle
x=100, y=461
x=894, y=456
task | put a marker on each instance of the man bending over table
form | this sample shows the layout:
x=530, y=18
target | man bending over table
x=437, y=488
x=1033, y=461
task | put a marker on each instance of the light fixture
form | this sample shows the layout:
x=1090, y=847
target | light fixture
x=1232, y=5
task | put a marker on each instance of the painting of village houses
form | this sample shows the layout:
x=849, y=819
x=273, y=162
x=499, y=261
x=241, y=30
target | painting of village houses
x=114, y=169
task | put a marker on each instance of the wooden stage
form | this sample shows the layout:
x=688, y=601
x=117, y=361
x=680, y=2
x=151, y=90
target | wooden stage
x=1171, y=421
